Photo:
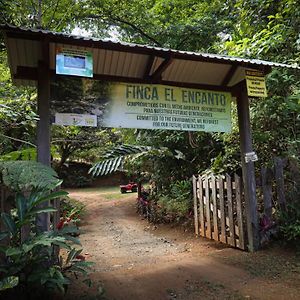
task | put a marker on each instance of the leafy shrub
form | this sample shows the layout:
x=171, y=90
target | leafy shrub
x=290, y=223
x=29, y=263
x=24, y=154
x=178, y=201
x=24, y=175
x=75, y=175
x=71, y=211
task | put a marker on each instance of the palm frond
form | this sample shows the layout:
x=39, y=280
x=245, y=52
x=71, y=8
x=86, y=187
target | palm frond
x=114, y=159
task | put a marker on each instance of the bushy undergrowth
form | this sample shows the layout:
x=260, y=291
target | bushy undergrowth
x=178, y=201
x=290, y=223
x=71, y=211
x=30, y=264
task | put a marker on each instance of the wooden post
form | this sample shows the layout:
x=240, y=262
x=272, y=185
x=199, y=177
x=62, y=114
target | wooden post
x=230, y=211
x=215, y=208
x=239, y=210
x=248, y=168
x=207, y=208
x=196, y=220
x=201, y=207
x=43, y=130
x=223, y=237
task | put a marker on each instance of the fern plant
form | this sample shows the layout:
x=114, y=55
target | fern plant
x=25, y=175
x=115, y=158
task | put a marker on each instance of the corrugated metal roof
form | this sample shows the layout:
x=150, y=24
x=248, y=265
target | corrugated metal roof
x=130, y=61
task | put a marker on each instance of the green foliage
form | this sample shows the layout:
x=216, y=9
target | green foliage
x=75, y=174
x=178, y=201
x=8, y=283
x=24, y=175
x=72, y=208
x=25, y=154
x=115, y=159
x=17, y=112
x=30, y=265
x=189, y=25
x=53, y=13
x=290, y=223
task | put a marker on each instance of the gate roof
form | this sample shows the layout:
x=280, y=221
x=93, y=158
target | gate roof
x=127, y=62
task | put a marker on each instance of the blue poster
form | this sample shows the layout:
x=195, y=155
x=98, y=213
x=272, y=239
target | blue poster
x=74, y=62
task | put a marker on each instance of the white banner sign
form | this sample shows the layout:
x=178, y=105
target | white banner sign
x=76, y=120
x=166, y=107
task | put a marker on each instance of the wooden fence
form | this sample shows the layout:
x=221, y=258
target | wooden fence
x=219, y=207
x=271, y=185
x=219, y=210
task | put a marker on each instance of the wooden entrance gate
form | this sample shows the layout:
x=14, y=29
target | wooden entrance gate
x=219, y=209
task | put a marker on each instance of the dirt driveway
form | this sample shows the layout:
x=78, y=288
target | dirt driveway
x=135, y=260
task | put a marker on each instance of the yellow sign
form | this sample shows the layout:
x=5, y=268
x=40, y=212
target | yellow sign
x=256, y=85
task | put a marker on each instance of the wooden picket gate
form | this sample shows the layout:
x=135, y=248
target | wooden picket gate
x=219, y=210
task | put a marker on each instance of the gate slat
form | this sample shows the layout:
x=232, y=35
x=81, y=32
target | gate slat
x=278, y=165
x=215, y=212
x=230, y=211
x=266, y=175
x=223, y=237
x=196, y=221
x=207, y=209
x=201, y=208
x=238, y=193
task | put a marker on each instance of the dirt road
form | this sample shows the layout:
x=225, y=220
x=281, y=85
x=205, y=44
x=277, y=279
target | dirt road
x=135, y=260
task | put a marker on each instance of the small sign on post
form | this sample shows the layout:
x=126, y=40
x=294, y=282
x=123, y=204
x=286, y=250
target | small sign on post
x=250, y=156
x=256, y=84
x=75, y=120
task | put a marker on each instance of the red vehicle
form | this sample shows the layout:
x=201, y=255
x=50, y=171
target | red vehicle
x=131, y=187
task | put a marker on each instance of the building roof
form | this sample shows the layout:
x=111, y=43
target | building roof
x=127, y=62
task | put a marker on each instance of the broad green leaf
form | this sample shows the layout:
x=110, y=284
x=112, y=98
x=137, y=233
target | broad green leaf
x=21, y=206
x=9, y=282
x=13, y=251
x=72, y=239
x=3, y=235
x=42, y=210
x=51, y=196
x=73, y=253
x=68, y=229
x=9, y=223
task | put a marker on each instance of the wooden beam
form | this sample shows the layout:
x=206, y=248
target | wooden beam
x=149, y=66
x=27, y=73
x=248, y=169
x=30, y=73
x=229, y=75
x=161, y=68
